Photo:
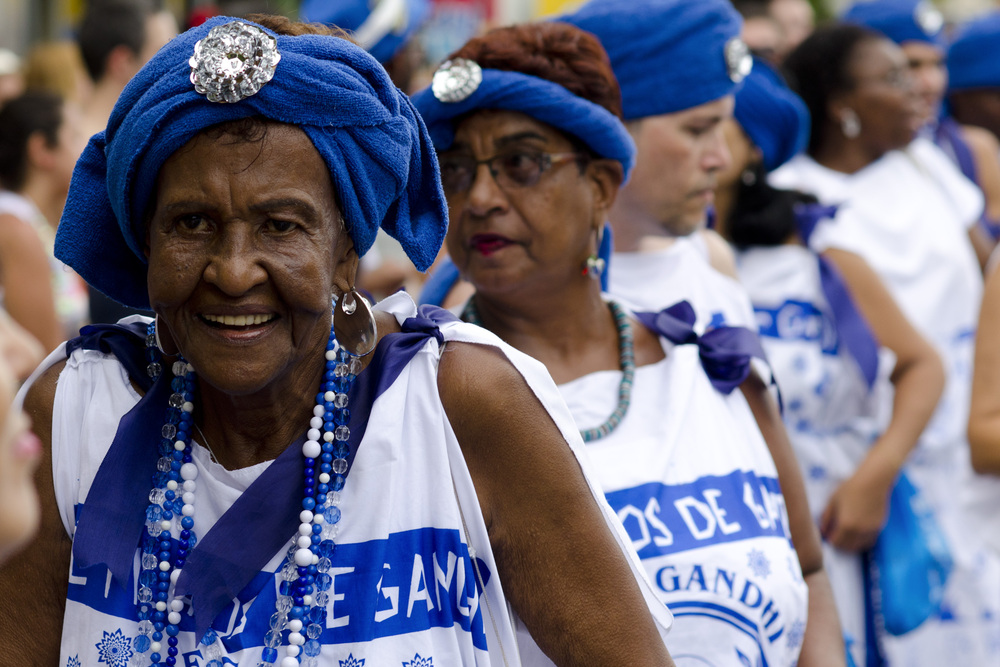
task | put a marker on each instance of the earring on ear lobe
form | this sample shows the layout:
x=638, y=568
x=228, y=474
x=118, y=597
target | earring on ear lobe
x=748, y=177
x=593, y=266
x=354, y=324
x=850, y=124
x=156, y=335
x=157, y=327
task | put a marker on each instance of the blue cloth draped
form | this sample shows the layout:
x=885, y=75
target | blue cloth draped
x=539, y=98
x=260, y=522
x=851, y=326
x=774, y=118
x=380, y=158
x=725, y=352
x=973, y=56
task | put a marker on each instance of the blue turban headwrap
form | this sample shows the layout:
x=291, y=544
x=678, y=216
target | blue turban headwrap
x=544, y=100
x=974, y=56
x=668, y=55
x=774, y=117
x=380, y=158
x=900, y=20
x=382, y=31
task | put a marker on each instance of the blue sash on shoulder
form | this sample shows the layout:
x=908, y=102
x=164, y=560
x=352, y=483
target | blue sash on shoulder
x=851, y=326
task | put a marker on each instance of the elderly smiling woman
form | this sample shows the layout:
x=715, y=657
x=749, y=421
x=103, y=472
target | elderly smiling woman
x=256, y=478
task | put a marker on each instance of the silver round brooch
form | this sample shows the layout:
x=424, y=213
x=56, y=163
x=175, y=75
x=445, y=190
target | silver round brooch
x=456, y=79
x=233, y=62
x=739, y=62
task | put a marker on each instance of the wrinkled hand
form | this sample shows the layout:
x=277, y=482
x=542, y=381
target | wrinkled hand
x=856, y=512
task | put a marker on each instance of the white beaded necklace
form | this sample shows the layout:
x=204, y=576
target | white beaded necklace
x=300, y=608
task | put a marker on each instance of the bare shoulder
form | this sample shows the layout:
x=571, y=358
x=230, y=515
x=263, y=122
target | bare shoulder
x=478, y=380
x=720, y=254
x=40, y=399
x=16, y=235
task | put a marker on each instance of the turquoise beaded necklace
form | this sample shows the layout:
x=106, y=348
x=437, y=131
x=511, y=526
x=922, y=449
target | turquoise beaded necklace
x=626, y=359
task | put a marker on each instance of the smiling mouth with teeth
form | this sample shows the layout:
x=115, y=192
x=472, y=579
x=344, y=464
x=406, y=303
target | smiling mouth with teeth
x=238, y=320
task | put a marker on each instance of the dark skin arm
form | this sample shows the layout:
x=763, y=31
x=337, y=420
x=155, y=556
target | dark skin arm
x=541, y=517
x=984, y=410
x=33, y=583
x=823, y=643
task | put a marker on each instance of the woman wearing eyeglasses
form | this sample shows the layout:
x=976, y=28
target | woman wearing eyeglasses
x=526, y=120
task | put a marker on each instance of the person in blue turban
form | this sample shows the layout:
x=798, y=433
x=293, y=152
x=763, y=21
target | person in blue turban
x=974, y=73
x=538, y=104
x=677, y=84
x=210, y=472
x=822, y=341
x=770, y=126
x=917, y=26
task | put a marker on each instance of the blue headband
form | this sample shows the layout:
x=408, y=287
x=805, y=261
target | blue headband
x=382, y=31
x=900, y=20
x=774, y=117
x=539, y=98
x=668, y=55
x=379, y=156
x=974, y=56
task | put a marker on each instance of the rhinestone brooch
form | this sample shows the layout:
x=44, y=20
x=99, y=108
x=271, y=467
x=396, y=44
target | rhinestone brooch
x=233, y=62
x=738, y=59
x=456, y=79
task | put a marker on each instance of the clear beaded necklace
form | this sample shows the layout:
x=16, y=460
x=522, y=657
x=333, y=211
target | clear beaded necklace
x=626, y=359
x=302, y=599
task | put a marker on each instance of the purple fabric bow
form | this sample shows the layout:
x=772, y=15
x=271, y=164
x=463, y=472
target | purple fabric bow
x=260, y=522
x=851, y=326
x=725, y=352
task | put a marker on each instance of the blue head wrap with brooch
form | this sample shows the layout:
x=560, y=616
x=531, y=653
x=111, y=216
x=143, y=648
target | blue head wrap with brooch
x=380, y=158
x=668, y=55
x=382, y=31
x=774, y=118
x=900, y=20
x=461, y=86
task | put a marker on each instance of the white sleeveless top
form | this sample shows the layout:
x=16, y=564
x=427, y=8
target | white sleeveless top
x=908, y=215
x=692, y=479
x=651, y=281
x=410, y=588
x=831, y=415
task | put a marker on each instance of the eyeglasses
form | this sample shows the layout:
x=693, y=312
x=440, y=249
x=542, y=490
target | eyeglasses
x=897, y=78
x=516, y=169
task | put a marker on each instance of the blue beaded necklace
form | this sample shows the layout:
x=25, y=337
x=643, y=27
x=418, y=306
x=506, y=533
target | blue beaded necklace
x=300, y=609
x=626, y=359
